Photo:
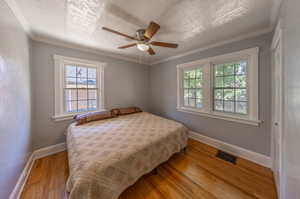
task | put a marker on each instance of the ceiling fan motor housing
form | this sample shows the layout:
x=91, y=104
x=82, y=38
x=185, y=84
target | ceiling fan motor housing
x=140, y=34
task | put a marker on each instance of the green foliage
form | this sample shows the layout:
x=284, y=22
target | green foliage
x=219, y=82
x=218, y=94
x=229, y=69
x=240, y=81
x=219, y=70
x=241, y=94
x=228, y=94
x=229, y=81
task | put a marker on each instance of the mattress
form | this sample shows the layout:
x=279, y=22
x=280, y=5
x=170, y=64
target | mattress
x=107, y=156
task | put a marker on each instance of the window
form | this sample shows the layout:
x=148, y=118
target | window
x=230, y=87
x=224, y=87
x=193, y=81
x=78, y=86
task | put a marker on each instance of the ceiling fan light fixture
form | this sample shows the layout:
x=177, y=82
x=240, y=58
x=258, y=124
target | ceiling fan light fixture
x=143, y=47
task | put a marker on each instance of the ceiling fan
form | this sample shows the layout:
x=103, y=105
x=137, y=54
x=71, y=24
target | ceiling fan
x=143, y=37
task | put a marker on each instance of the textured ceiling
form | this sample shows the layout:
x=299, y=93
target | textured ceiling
x=190, y=23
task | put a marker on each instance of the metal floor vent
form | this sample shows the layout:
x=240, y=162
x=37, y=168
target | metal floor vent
x=226, y=156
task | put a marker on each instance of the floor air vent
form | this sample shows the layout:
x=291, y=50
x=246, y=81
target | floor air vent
x=226, y=156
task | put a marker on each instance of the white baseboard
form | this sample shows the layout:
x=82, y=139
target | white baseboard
x=16, y=193
x=37, y=154
x=43, y=152
x=234, y=150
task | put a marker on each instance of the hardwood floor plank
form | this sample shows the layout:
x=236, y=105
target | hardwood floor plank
x=252, y=184
x=196, y=174
x=218, y=187
x=242, y=163
x=167, y=189
x=185, y=184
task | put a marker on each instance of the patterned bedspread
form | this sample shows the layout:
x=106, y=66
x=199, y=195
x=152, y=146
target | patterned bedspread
x=107, y=156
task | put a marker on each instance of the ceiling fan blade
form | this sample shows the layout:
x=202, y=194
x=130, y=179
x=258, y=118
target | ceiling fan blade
x=151, y=30
x=163, y=44
x=127, y=46
x=118, y=33
x=151, y=51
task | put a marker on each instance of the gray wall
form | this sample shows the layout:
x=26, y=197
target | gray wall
x=15, y=106
x=163, y=84
x=291, y=135
x=126, y=84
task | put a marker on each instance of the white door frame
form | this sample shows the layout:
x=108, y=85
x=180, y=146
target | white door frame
x=277, y=163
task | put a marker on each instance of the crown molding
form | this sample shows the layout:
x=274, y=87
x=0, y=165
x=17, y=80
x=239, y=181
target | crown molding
x=85, y=48
x=240, y=38
x=20, y=17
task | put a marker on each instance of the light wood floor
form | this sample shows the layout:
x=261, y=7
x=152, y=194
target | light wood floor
x=197, y=174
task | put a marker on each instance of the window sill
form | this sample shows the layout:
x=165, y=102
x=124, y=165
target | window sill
x=65, y=117
x=219, y=116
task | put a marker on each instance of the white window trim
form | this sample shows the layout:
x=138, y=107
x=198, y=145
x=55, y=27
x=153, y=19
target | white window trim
x=251, y=55
x=59, y=72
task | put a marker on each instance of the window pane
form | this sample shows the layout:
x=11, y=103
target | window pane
x=218, y=105
x=192, y=74
x=228, y=106
x=70, y=82
x=240, y=68
x=218, y=94
x=81, y=83
x=240, y=94
x=219, y=82
x=92, y=105
x=92, y=73
x=82, y=106
x=71, y=106
x=228, y=94
x=92, y=94
x=199, y=103
x=192, y=102
x=71, y=94
x=241, y=107
x=199, y=93
x=228, y=69
x=186, y=93
x=229, y=81
x=186, y=84
x=240, y=81
x=70, y=71
x=92, y=83
x=198, y=83
x=219, y=70
x=192, y=93
x=192, y=83
x=186, y=74
x=186, y=101
x=82, y=72
x=199, y=73
x=82, y=94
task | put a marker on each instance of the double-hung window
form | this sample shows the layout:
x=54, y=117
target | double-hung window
x=79, y=86
x=224, y=87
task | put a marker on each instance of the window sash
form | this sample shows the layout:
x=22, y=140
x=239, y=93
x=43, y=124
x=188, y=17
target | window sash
x=87, y=88
x=234, y=88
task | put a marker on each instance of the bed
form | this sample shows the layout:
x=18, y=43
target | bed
x=107, y=156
